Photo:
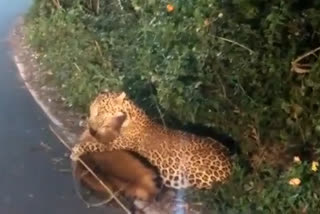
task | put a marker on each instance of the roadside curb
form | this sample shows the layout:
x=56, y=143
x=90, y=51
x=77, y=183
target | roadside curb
x=34, y=94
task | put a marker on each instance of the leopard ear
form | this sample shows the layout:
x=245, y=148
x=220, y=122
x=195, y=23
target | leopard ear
x=105, y=90
x=121, y=97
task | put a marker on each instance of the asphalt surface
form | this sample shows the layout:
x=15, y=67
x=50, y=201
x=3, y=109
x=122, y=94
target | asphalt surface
x=32, y=180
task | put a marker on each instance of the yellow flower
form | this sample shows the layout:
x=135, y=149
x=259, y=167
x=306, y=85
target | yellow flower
x=170, y=7
x=296, y=159
x=314, y=166
x=295, y=182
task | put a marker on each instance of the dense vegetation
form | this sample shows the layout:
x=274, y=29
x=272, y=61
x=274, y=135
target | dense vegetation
x=248, y=67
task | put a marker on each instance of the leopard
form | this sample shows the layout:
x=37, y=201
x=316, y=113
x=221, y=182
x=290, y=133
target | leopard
x=120, y=170
x=184, y=160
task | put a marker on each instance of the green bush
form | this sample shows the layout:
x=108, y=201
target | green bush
x=227, y=64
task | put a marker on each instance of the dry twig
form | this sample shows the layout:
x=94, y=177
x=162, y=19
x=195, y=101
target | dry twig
x=300, y=68
x=56, y=3
x=235, y=43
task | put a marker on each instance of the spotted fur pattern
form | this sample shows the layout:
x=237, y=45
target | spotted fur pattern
x=183, y=159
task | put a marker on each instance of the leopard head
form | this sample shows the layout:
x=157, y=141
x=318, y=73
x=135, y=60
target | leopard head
x=108, y=104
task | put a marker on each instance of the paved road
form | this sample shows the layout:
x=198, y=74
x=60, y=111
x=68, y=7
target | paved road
x=30, y=182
